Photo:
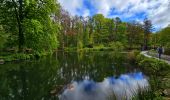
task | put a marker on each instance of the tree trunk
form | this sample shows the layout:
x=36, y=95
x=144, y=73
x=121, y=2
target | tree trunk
x=145, y=42
x=20, y=27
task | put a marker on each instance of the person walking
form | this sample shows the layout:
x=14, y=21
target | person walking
x=160, y=51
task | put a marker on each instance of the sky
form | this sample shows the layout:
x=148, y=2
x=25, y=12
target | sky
x=158, y=11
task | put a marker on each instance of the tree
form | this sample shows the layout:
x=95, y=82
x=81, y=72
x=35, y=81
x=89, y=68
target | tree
x=155, y=39
x=147, y=31
x=117, y=23
x=32, y=22
x=134, y=34
x=17, y=8
x=98, y=27
x=164, y=36
x=111, y=26
x=3, y=38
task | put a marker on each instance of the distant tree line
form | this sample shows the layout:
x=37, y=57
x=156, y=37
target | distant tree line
x=80, y=32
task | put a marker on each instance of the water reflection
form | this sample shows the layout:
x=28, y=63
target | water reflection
x=43, y=79
x=122, y=88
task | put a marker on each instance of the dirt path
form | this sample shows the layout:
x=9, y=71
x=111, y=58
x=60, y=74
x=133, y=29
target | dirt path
x=165, y=58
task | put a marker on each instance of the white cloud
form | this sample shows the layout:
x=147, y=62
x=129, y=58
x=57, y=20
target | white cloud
x=156, y=10
x=160, y=16
x=86, y=13
x=71, y=5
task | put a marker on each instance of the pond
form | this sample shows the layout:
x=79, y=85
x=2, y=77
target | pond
x=48, y=77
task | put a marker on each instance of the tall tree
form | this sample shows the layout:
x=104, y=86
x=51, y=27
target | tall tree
x=117, y=23
x=147, y=31
x=31, y=21
x=16, y=9
x=134, y=34
x=164, y=37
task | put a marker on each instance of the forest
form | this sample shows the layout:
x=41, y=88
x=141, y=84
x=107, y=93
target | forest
x=42, y=27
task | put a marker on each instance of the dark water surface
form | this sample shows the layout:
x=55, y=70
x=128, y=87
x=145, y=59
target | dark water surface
x=42, y=79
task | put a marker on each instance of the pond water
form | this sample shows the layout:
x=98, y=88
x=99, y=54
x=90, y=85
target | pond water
x=48, y=77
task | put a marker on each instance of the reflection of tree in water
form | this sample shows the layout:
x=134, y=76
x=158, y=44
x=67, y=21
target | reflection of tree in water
x=96, y=65
x=27, y=81
x=36, y=79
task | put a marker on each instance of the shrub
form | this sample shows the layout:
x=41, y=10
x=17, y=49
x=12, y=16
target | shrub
x=139, y=58
x=79, y=45
x=116, y=46
x=167, y=49
x=89, y=46
x=132, y=55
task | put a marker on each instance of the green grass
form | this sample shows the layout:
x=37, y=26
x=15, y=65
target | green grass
x=89, y=49
x=7, y=56
x=157, y=71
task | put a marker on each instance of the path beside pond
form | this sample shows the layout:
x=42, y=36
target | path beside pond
x=166, y=79
x=165, y=58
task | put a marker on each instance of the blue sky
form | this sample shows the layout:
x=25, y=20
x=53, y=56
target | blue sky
x=158, y=11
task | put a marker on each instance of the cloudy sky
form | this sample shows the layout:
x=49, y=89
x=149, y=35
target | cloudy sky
x=158, y=11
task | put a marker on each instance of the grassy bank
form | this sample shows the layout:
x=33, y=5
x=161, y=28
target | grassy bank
x=114, y=46
x=89, y=49
x=159, y=76
x=14, y=56
x=8, y=56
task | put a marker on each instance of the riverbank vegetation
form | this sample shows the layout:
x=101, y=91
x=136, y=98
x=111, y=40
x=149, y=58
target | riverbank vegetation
x=158, y=72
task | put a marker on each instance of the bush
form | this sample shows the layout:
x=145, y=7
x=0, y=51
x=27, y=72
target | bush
x=99, y=46
x=116, y=46
x=89, y=46
x=132, y=55
x=23, y=56
x=139, y=58
x=79, y=45
x=167, y=51
x=17, y=56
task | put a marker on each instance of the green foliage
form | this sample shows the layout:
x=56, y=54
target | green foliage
x=33, y=25
x=155, y=41
x=121, y=33
x=37, y=38
x=79, y=45
x=157, y=70
x=97, y=30
x=132, y=55
x=17, y=56
x=147, y=32
x=136, y=52
x=23, y=56
x=134, y=35
x=152, y=65
x=147, y=95
x=167, y=51
x=162, y=38
x=117, y=46
x=3, y=39
x=165, y=36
